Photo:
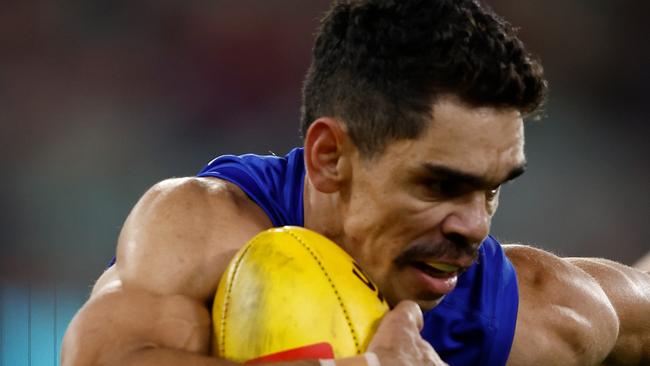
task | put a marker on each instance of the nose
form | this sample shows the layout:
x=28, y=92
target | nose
x=469, y=219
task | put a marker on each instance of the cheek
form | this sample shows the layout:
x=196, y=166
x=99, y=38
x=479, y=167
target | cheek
x=379, y=235
x=396, y=215
x=383, y=217
x=420, y=218
x=387, y=218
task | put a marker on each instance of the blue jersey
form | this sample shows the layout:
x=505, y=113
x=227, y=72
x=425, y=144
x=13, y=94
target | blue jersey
x=473, y=325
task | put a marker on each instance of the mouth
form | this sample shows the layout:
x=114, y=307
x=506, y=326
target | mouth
x=435, y=278
x=437, y=269
x=430, y=268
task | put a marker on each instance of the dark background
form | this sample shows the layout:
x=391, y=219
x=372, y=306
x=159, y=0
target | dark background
x=101, y=99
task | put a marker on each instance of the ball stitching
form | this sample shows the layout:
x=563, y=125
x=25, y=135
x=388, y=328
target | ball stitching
x=231, y=281
x=329, y=279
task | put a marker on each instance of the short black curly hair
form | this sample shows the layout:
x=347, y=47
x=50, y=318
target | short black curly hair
x=379, y=65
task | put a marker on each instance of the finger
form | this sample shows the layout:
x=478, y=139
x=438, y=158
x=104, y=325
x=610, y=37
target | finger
x=409, y=312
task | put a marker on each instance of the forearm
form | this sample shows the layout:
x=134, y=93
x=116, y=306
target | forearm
x=170, y=357
x=166, y=357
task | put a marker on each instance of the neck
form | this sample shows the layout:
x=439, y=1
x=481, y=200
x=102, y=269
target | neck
x=320, y=212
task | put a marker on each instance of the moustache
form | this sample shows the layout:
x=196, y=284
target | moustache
x=449, y=248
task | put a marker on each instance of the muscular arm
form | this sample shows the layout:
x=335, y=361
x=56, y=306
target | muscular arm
x=577, y=311
x=628, y=289
x=150, y=308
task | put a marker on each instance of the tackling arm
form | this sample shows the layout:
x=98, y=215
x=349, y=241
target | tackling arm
x=150, y=308
x=628, y=289
x=579, y=311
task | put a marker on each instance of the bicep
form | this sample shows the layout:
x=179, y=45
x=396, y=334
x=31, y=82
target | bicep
x=628, y=289
x=564, y=317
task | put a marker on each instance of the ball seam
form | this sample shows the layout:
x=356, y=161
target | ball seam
x=231, y=281
x=329, y=280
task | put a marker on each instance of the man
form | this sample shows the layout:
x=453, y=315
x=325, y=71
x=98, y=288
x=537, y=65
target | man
x=412, y=120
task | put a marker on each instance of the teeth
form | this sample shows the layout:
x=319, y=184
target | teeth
x=444, y=267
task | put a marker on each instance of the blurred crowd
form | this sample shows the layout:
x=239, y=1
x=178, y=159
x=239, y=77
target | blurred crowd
x=100, y=99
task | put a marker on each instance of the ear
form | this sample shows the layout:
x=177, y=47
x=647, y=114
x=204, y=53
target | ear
x=326, y=141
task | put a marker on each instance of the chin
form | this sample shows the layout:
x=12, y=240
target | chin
x=426, y=305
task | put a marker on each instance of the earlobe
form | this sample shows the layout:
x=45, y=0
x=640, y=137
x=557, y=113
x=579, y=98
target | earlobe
x=324, y=151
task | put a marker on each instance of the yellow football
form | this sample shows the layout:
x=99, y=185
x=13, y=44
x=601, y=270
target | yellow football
x=291, y=293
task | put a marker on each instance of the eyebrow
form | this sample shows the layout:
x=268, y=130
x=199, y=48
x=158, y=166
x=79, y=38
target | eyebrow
x=441, y=172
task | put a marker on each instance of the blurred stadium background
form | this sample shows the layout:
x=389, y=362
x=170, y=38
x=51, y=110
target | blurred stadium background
x=100, y=99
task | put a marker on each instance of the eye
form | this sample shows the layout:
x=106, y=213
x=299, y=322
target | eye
x=451, y=188
x=447, y=188
x=428, y=189
x=436, y=188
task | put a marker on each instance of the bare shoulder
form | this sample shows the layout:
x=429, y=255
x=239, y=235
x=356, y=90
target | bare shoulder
x=565, y=317
x=182, y=214
x=183, y=232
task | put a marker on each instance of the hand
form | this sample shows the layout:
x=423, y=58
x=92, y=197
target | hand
x=398, y=341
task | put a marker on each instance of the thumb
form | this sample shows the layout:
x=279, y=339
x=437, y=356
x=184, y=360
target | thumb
x=407, y=313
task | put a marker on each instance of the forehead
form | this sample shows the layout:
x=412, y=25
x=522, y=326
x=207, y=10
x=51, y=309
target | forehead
x=484, y=141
